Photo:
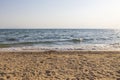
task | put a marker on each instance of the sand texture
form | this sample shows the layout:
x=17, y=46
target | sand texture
x=61, y=65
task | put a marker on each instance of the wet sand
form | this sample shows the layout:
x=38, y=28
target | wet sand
x=60, y=65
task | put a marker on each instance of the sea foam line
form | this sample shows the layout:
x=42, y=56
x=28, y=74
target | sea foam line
x=88, y=47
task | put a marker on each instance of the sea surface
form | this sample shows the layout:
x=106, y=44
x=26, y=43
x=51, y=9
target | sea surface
x=60, y=38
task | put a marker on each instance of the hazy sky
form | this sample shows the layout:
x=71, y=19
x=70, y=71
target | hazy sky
x=59, y=13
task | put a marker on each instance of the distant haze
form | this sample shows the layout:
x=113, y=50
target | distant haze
x=59, y=13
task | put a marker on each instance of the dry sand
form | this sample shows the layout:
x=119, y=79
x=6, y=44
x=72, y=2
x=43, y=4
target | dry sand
x=60, y=65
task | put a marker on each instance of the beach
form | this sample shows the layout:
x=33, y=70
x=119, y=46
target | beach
x=59, y=39
x=60, y=65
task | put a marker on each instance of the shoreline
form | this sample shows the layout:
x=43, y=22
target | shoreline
x=61, y=52
x=85, y=47
x=56, y=50
x=62, y=48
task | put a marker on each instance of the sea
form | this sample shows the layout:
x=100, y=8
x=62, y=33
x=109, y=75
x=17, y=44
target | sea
x=65, y=39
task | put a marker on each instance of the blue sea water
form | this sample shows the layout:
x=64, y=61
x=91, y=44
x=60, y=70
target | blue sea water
x=60, y=37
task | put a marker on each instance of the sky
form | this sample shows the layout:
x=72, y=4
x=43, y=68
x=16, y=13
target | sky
x=60, y=14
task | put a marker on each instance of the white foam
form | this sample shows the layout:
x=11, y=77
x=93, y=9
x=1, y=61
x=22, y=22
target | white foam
x=87, y=47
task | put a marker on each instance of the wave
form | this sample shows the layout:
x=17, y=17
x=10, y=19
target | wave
x=64, y=40
x=31, y=43
x=81, y=39
x=23, y=43
x=11, y=39
x=16, y=42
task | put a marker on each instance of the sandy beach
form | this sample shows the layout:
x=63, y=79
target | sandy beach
x=60, y=65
